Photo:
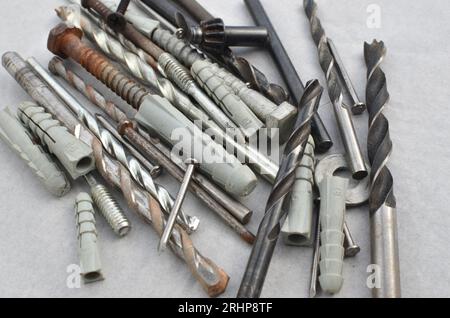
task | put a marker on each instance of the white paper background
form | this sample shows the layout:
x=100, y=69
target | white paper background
x=37, y=231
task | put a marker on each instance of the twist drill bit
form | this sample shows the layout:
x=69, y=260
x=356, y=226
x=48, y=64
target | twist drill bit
x=238, y=65
x=149, y=12
x=343, y=117
x=212, y=278
x=270, y=228
x=154, y=110
x=287, y=69
x=382, y=202
x=108, y=206
x=115, y=149
x=206, y=190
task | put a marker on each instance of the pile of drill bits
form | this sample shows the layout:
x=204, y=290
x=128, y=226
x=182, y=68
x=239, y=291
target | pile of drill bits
x=184, y=89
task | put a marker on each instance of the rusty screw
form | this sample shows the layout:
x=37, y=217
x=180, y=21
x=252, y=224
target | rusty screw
x=65, y=41
x=116, y=20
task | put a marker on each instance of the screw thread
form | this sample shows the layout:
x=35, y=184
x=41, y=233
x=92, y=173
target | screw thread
x=110, y=209
x=175, y=71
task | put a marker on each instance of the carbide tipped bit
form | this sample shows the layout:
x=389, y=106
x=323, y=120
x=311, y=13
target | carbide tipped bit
x=270, y=228
x=115, y=149
x=343, y=117
x=382, y=203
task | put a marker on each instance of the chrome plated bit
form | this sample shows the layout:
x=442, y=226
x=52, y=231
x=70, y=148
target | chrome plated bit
x=343, y=117
x=382, y=202
x=358, y=106
x=270, y=228
x=141, y=175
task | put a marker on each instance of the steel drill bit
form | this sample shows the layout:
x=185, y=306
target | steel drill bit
x=270, y=228
x=219, y=202
x=212, y=278
x=382, y=202
x=335, y=92
x=115, y=149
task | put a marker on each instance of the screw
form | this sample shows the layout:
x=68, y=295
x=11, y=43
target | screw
x=351, y=248
x=116, y=20
x=65, y=41
x=191, y=164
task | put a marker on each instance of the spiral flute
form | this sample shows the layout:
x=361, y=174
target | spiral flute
x=115, y=148
x=270, y=228
x=382, y=202
x=335, y=91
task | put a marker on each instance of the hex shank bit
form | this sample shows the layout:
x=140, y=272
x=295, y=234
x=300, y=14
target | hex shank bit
x=270, y=228
x=335, y=92
x=279, y=54
x=219, y=202
x=20, y=141
x=382, y=202
x=140, y=174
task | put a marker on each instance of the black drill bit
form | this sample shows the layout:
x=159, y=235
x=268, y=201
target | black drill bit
x=382, y=203
x=269, y=230
x=287, y=69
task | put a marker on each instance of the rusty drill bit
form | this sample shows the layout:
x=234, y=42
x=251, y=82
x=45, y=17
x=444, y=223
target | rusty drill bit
x=270, y=228
x=382, y=203
x=212, y=278
x=335, y=92
x=205, y=190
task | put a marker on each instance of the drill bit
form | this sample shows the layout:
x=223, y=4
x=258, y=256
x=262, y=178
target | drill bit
x=270, y=228
x=343, y=117
x=382, y=202
x=287, y=69
x=155, y=15
x=212, y=278
x=115, y=148
x=218, y=201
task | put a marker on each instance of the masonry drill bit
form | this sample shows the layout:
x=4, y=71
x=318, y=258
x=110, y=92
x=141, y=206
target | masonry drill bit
x=343, y=117
x=115, y=149
x=211, y=277
x=270, y=228
x=382, y=202
x=218, y=201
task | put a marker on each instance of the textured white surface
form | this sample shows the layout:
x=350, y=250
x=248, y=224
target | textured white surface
x=38, y=233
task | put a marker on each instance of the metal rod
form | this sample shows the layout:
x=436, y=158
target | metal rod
x=358, y=106
x=295, y=85
x=270, y=228
x=177, y=206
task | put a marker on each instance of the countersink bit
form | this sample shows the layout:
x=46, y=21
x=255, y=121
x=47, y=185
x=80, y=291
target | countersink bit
x=88, y=249
x=177, y=205
x=154, y=110
x=74, y=155
x=212, y=278
x=382, y=202
x=140, y=174
x=214, y=35
x=287, y=69
x=41, y=164
x=238, y=65
x=343, y=117
x=108, y=206
x=218, y=201
x=270, y=228
x=358, y=106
